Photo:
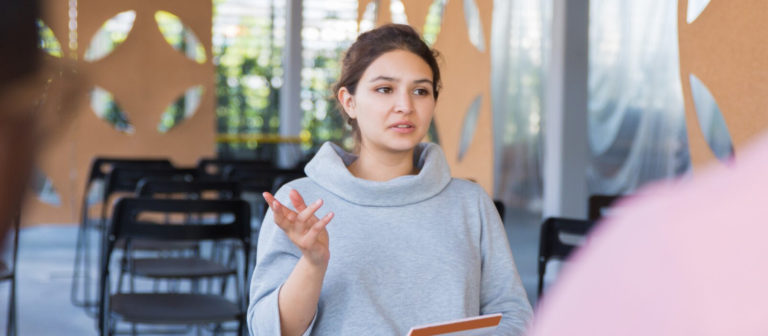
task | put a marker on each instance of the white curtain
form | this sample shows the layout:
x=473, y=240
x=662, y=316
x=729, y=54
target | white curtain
x=519, y=55
x=636, y=122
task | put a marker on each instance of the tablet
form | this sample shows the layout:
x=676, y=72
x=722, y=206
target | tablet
x=472, y=326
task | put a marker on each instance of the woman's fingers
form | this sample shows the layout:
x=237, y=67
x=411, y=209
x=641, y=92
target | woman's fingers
x=301, y=225
x=314, y=232
x=297, y=200
x=309, y=211
x=268, y=198
x=283, y=216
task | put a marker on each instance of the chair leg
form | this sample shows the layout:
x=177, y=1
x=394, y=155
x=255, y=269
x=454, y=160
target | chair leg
x=540, y=288
x=87, y=259
x=76, y=272
x=11, y=326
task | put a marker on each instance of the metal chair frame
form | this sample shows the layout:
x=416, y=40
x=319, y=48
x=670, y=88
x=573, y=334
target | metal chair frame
x=127, y=225
x=80, y=294
x=551, y=246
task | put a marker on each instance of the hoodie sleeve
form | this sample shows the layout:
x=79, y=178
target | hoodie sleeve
x=275, y=259
x=501, y=288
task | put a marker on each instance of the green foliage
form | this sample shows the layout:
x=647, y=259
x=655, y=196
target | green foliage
x=322, y=120
x=246, y=94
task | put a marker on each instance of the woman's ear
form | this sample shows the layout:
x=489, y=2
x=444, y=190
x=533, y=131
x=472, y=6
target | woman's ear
x=347, y=101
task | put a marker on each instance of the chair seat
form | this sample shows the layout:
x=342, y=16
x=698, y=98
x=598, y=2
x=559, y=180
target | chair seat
x=179, y=268
x=173, y=308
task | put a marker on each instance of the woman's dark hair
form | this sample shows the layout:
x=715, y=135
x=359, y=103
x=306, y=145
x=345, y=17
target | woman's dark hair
x=374, y=43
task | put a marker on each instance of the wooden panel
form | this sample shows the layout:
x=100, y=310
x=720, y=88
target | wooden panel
x=145, y=75
x=416, y=11
x=725, y=48
x=466, y=74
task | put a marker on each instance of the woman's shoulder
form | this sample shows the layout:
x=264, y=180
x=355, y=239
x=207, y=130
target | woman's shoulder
x=300, y=184
x=467, y=190
x=466, y=185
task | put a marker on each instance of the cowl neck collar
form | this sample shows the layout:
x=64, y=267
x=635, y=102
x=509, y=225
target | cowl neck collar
x=329, y=170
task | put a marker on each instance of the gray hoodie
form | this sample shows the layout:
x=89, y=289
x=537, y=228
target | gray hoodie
x=413, y=250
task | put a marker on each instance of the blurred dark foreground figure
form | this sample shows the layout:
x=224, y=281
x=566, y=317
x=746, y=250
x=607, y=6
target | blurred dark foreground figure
x=20, y=63
x=686, y=258
x=32, y=99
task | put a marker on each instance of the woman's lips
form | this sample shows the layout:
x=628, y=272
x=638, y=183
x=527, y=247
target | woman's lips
x=404, y=127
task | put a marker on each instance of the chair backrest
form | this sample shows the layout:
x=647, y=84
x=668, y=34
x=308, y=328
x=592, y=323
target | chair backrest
x=127, y=222
x=553, y=242
x=101, y=166
x=213, y=168
x=263, y=179
x=598, y=204
x=127, y=179
x=153, y=186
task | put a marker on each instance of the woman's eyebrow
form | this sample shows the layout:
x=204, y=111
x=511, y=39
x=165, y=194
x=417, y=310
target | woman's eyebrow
x=392, y=79
x=389, y=79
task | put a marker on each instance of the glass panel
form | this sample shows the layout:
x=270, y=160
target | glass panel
x=111, y=34
x=521, y=38
x=635, y=114
x=179, y=36
x=369, y=17
x=248, y=37
x=434, y=21
x=42, y=186
x=470, y=126
x=329, y=28
x=474, y=25
x=711, y=121
x=695, y=7
x=106, y=108
x=48, y=41
x=398, y=12
x=181, y=109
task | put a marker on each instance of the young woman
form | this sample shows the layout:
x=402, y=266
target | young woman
x=386, y=239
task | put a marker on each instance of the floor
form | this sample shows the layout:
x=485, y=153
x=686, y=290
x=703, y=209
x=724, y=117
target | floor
x=46, y=259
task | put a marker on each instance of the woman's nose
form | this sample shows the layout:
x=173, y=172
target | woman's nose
x=404, y=103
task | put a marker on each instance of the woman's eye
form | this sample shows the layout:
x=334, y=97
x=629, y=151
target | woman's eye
x=421, y=92
x=384, y=90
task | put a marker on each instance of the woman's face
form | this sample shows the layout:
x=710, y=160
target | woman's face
x=393, y=103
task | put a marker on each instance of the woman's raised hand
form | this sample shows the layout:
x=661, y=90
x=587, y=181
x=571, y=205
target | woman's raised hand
x=304, y=229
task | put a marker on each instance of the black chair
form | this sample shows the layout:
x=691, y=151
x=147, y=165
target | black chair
x=599, y=204
x=552, y=244
x=129, y=223
x=188, y=266
x=500, y=208
x=80, y=293
x=123, y=180
x=8, y=273
x=214, y=168
x=254, y=179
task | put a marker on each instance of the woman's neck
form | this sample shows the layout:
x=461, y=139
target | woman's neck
x=382, y=166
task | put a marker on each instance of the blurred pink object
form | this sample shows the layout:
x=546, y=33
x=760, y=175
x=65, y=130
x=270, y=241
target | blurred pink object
x=682, y=258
